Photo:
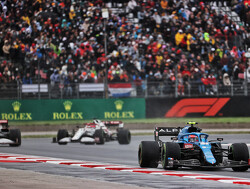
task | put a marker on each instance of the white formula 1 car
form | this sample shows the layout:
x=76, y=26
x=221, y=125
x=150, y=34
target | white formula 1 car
x=9, y=136
x=97, y=132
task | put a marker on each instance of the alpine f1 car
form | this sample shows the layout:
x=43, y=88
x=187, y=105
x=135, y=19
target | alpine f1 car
x=9, y=136
x=97, y=132
x=191, y=148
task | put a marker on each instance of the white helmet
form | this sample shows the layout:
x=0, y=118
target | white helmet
x=97, y=121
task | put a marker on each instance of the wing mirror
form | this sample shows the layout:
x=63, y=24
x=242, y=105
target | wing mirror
x=174, y=138
x=220, y=139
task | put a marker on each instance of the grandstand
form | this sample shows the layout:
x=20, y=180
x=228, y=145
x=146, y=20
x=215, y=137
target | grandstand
x=146, y=48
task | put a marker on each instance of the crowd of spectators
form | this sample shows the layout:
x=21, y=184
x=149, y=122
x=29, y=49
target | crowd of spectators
x=160, y=41
x=242, y=9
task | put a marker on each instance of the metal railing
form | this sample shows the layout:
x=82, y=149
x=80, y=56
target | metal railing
x=145, y=90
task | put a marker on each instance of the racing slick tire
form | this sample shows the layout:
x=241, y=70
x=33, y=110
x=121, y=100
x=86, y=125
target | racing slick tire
x=170, y=150
x=149, y=154
x=15, y=135
x=62, y=133
x=123, y=136
x=239, y=152
x=99, y=136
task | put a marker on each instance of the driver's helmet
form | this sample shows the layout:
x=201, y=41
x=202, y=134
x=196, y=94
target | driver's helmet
x=99, y=122
x=193, y=138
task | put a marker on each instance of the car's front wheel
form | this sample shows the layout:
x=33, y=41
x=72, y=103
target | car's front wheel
x=62, y=133
x=239, y=152
x=15, y=136
x=170, y=150
x=99, y=136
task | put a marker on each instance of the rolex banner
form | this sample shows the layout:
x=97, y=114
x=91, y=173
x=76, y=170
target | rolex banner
x=69, y=109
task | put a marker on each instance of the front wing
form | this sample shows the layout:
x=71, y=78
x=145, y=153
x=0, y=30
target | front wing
x=85, y=139
x=6, y=141
x=225, y=164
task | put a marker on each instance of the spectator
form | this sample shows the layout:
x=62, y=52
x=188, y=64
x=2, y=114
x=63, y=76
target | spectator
x=141, y=15
x=179, y=37
x=54, y=81
x=226, y=83
x=68, y=85
x=166, y=30
x=212, y=84
x=180, y=84
x=138, y=84
x=27, y=79
x=157, y=18
x=6, y=49
x=247, y=75
x=236, y=71
x=164, y=5
x=197, y=78
x=132, y=7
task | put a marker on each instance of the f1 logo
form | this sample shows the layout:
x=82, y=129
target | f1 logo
x=209, y=106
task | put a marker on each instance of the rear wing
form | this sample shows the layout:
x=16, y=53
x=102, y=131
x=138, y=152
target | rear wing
x=166, y=131
x=4, y=121
x=113, y=124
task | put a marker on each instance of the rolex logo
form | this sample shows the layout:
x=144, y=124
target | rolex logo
x=67, y=105
x=118, y=105
x=16, y=106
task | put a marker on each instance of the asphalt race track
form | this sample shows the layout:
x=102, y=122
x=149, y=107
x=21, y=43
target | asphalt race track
x=116, y=163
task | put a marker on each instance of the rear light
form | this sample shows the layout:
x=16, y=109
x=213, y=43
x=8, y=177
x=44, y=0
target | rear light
x=248, y=161
x=188, y=146
x=170, y=162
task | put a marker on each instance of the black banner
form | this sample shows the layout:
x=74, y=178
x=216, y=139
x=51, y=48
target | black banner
x=198, y=107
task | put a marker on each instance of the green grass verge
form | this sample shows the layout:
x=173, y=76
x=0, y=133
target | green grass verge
x=150, y=120
x=39, y=136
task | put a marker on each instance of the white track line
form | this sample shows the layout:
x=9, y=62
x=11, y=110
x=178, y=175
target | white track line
x=125, y=168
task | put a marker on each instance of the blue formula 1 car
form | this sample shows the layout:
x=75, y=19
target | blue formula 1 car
x=191, y=148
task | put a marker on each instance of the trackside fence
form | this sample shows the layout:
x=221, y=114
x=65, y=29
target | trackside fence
x=145, y=89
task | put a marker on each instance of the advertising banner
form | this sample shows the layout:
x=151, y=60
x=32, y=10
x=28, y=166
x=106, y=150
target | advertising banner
x=72, y=109
x=198, y=107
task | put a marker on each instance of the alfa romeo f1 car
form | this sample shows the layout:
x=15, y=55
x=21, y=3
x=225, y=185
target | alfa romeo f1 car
x=9, y=136
x=191, y=148
x=97, y=132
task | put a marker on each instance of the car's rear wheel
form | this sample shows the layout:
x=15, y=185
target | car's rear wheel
x=170, y=150
x=62, y=133
x=15, y=135
x=99, y=136
x=148, y=154
x=123, y=136
x=239, y=152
